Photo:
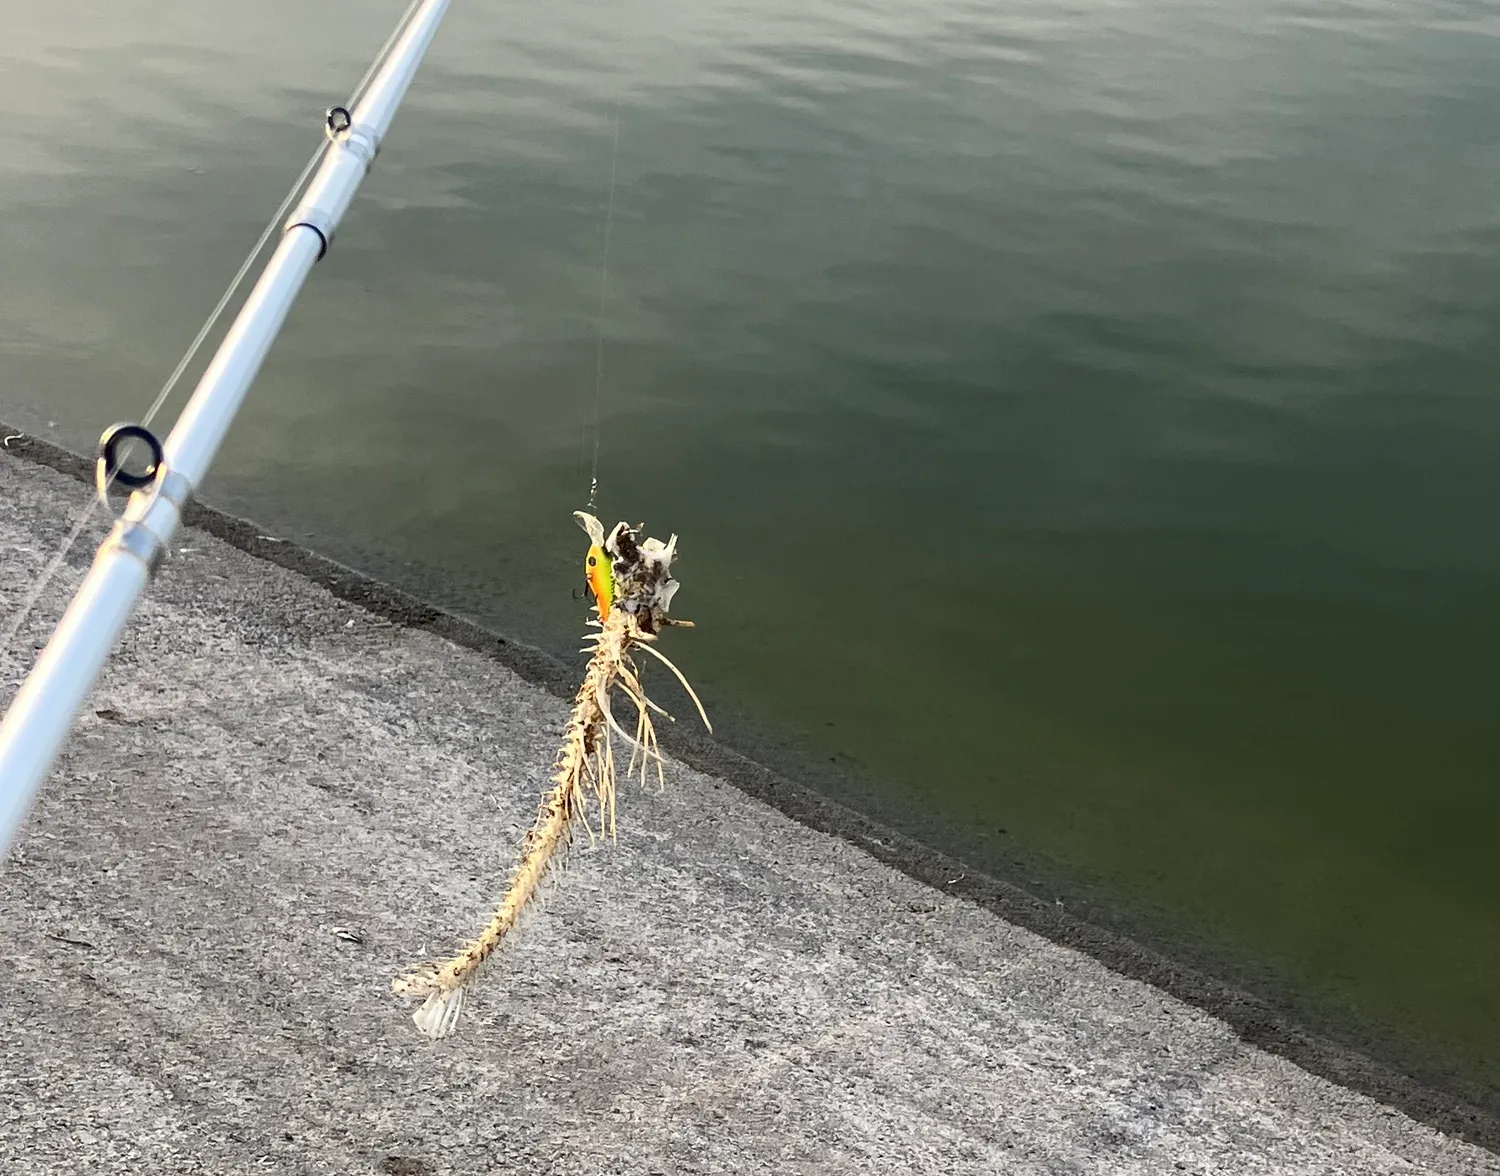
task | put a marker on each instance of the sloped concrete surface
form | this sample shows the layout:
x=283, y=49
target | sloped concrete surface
x=274, y=802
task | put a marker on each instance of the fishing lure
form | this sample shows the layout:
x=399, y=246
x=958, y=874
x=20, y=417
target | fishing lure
x=598, y=568
x=634, y=591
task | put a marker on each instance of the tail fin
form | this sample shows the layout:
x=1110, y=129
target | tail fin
x=438, y=1016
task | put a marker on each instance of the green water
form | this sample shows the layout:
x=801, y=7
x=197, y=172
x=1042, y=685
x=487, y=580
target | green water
x=1082, y=421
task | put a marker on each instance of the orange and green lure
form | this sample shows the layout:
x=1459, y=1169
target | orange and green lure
x=599, y=572
x=598, y=568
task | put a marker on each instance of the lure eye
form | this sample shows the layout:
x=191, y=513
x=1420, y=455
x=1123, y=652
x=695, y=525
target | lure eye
x=592, y=561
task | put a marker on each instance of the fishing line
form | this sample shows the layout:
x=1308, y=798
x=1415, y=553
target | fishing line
x=101, y=495
x=102, y=491
x=609, y=223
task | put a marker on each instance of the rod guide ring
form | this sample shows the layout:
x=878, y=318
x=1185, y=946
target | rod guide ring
x=337, y=122
x=111, y=467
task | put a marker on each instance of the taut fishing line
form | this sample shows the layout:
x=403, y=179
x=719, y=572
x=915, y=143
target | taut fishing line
x=609, y=223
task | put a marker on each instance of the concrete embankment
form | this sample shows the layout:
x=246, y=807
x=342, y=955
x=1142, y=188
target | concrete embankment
x=276, y=800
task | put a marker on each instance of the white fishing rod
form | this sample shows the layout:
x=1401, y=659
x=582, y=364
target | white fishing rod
x=42, y=714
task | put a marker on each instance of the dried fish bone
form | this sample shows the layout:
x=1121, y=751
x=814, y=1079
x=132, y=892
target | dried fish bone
x=633, y=589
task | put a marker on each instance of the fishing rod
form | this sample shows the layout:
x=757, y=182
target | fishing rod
x=43, y=711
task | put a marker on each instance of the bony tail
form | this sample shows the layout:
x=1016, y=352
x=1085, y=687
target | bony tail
x=438, y=1015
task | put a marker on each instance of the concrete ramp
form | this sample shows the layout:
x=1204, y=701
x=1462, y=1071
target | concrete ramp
x=276, y=801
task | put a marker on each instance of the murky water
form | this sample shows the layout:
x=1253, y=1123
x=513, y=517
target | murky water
x=1082, y=421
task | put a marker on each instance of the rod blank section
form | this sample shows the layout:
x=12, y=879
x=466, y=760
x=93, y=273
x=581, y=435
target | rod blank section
x=42, y=714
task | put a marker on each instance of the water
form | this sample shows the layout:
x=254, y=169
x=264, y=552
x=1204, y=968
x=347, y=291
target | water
x=1081, y=421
